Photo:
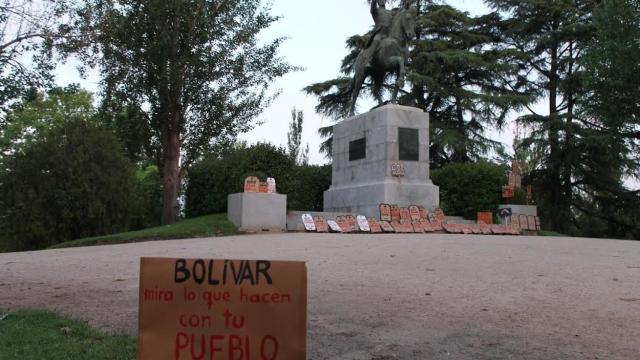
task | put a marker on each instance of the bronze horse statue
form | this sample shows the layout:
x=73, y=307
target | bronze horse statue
x=388, y=55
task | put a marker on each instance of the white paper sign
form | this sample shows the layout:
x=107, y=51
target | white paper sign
x=271, y=183
x=309, y=224
x=363, y=224
x=334, y=226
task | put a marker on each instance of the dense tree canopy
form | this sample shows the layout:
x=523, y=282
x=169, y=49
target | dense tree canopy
x=70, y=180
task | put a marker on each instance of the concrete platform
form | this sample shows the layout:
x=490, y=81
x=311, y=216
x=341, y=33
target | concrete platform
x=258, y=212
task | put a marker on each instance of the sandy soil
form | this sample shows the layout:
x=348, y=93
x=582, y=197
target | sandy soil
x=387, y=297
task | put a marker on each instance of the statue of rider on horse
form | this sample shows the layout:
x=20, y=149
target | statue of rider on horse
x=386, y=51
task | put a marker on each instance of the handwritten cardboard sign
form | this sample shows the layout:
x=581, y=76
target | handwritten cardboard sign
x=385, y=212
x=252, y=184
x=343, y=224
x=321, y=224
x=334, y=226
x=308, y=222
x=375, y=226
x=507, y=192
x=363, y=224
x=395, y=213
x=352, y=222
x=424, y=214
x=222, y=309
x=415, y=213
x=485, y=217
x=405, y=214
x=386, y=227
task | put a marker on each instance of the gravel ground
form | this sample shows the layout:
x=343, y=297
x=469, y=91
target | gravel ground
x=388, y=296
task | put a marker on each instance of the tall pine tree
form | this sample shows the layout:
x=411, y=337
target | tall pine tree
x=552, y=35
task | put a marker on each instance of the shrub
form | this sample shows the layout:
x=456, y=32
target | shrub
x=311, y=181
x=468, y=188
x=149, y=186
x=212, y=179
x=73, y=181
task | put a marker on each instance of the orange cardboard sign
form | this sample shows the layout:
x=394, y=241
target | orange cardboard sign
x=222, y=309
x=485, y=217
x=252, y=184
x=507, y=192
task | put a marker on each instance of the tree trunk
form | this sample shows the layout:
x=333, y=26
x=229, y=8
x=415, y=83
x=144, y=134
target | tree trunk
x=170, y=175
x=554, y=175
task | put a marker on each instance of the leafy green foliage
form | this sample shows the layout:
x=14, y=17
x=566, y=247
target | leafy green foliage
x=466, y=189
x=212, y=179
x=29, y=32
x=149, y=197
x=310, y=183
x=205, y=226
x=609, y=142
x=35, y=334
x=73, y=181
x=197, y=64
x=41, y=112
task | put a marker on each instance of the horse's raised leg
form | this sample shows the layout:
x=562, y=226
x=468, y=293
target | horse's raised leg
x=400, y=75
x=358, y=81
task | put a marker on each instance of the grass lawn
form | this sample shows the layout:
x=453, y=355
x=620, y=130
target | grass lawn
x=32, y=334
x=206, y=226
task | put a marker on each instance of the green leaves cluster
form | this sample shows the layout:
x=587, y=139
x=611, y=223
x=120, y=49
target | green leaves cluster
x=64, y=175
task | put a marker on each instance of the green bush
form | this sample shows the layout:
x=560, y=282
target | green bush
x=466, y=189
x=311, y=181
x=149, y=197
x=73, y=181
x=213, y=178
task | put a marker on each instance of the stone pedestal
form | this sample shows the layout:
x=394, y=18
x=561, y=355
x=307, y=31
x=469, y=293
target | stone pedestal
x=258, y=212
x=381, y=157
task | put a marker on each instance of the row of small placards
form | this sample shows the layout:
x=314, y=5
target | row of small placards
x=391, y=213
x=351, y=224
x=524, y=222
x=253, y=185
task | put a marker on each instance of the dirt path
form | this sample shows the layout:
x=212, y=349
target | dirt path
x=387, y=297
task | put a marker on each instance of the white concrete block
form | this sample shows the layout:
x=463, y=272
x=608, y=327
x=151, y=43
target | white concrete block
x=258, y=212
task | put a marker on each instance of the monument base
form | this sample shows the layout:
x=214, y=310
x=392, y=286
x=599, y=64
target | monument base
x=366, y=199
x=258, y=212
x=381, y=157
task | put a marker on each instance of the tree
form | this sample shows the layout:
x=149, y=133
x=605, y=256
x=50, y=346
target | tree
x=552, y=36
x=29, y=31
x=294, y=138
x=40, y=112
x=72, y=181
x=609, y=141
x=195, y=65
x=456, y=74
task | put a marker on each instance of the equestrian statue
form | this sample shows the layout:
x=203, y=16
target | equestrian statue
x=386, y=51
